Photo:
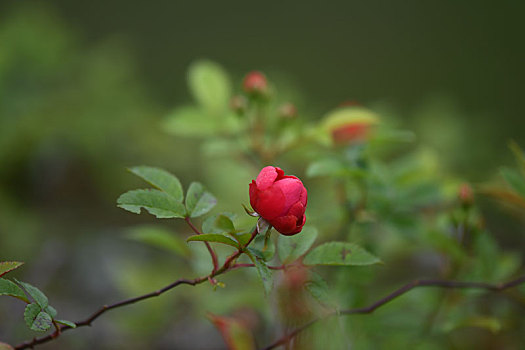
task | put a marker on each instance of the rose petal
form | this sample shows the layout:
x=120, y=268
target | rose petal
x=270, y=203
x=292, y=189
x=253, y=194
x=285, y=224
x=267, y=177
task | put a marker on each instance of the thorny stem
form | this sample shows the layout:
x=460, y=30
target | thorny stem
x=213, y=255
x=89, y=320
x=398, y=292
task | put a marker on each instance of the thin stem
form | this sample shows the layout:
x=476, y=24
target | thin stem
x=398, y=292
x=87, y=322
x=213, y=255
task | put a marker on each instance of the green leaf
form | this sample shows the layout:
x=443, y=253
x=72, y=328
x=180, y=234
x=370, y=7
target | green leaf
x=35, y=293
x=161, y=179
x=242, y=238
x=199, y=201
x=51, y=311
x=4, y=346
x=263, y=248
x=190, y=121
x=6, y=266
x=290, y=248
x=263, y=271
x=11, y=289
x=220, y=223
x=155, y=202
x=36, y=319
x=213, y=237
x=158, y=237
x=67, y=323
x=515, y=180
x=340, y=253
x=209, y=85
x=318, y=288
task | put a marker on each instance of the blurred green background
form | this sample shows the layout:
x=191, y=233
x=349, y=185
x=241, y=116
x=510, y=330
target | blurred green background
x=84, y=86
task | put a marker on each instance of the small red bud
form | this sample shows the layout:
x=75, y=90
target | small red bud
x=465, y=194
x=255, y=83
x=288, y=111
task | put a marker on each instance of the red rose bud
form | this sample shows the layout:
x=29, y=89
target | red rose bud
x=347, y=125
x=255, y=83
x=279, y=199
x=465, y=194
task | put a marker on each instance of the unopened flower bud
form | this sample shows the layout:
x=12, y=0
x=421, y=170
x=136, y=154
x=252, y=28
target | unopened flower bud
x=279, y=199
x=238, y=104
x=288, y=111
x=255, y=83
x=465, y=194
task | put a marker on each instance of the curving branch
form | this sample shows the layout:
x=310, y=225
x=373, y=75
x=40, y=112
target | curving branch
x=397, y=293
x=192, y=282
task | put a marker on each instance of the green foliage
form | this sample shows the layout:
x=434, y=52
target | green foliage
x=220, y=223
x=265, y=274
x=263, y=247
x=198, y=200
x=36, y=319
x=9, y=288
x=35, y=293
x=67, y=323
x=161, y=179
x=210, y=85
x=213, y=237
x=7, y=266
x=158, y=237
x=515, y=180
x=290, y=248
x=340, y=253
x=157, y=203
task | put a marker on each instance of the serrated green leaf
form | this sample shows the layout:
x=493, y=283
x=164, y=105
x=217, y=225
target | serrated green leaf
x=515, y=180
x=4, y=346
x=7, y=266
x=155, y=202
x=213, y=237
x=210, y=85
x=290, y=248
x=339, y=253
x=263, y=271
x=220, y=223
x=158, y=237
x=51, y=311
x=161, y=179
x=11, y=289
x=67, y=323
x=35, y=293
x=36, y=319
x=198, y=200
